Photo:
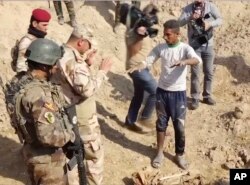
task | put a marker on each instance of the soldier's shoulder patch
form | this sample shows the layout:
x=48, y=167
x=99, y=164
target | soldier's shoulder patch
x=51, y=106
x=49, y=116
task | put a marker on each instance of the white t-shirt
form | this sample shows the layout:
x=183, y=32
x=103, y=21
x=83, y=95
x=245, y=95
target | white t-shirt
x=172, y=79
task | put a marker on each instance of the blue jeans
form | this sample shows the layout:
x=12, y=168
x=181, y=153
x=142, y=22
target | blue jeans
x=143, y=81
x=207, y=56
x=172, y=104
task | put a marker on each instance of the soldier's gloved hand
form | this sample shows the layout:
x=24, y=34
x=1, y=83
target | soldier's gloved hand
x=77, y=142
x=73, y=146
x=67, y=149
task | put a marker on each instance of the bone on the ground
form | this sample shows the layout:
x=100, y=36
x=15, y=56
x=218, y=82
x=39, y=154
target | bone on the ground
x=173, y=176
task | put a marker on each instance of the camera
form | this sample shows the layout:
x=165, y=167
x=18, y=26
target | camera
x=200, y=35
x=198, y=25
x=134, y=18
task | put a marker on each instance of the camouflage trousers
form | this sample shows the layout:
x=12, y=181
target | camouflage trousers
x=45, y=169
x=69, y=6
x=117, y=9
x=94, y=152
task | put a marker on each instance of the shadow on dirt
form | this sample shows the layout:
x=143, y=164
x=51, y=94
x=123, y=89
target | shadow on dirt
x=123, y=87
x=101, y=110
x=119, y=138
x=12, y=165
x=237, y=67
x=170, y=157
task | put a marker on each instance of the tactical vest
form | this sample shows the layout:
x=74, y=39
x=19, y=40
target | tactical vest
x=25, y=122
x=15, y=50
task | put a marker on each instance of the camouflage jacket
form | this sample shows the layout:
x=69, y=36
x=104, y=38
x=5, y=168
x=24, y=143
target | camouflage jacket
x=75, y=77
x=41, y=107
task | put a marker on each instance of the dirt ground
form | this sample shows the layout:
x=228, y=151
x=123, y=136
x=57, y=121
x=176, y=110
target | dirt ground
x=218, y=137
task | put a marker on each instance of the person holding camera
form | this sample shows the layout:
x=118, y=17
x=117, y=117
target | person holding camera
x=139, y=45
x=201, y=16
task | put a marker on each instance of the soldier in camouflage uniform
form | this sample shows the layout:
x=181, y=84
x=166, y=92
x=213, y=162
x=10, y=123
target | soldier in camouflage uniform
x=43, y=124
x=59, y=12
x=79, y=86
x=39, y=22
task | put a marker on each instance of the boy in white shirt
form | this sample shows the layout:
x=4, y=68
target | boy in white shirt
x=171, y=91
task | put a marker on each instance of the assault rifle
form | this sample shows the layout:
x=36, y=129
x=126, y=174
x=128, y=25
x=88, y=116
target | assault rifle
x=76, y=148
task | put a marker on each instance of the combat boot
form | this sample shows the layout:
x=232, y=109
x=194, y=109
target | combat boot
x=73, y=22
x=61, y=20
x=116, y=27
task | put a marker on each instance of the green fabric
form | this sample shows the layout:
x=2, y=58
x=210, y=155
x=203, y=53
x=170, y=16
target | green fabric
x=174, y=45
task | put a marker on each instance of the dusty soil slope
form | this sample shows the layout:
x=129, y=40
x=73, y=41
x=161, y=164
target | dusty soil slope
x=218, y=137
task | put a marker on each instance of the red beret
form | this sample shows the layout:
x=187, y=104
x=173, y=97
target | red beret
x=41, y=15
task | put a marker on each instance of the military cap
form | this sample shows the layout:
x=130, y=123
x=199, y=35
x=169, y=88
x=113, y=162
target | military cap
x=83, y=32
x=41, y=15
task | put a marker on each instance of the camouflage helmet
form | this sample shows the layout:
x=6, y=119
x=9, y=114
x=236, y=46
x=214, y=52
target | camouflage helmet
x=44, y=51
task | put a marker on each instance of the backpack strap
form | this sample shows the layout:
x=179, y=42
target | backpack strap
x=21, y=121
x=29, y=36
